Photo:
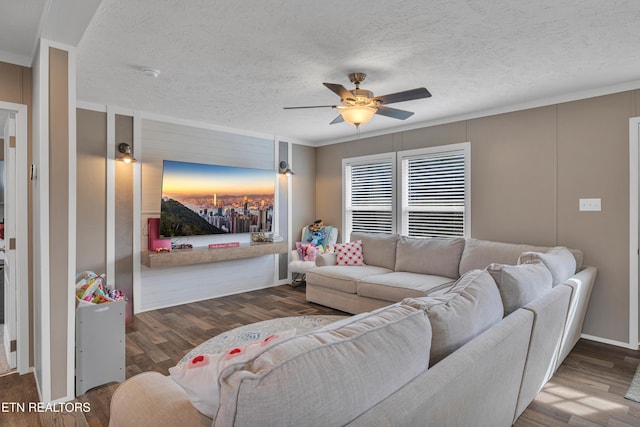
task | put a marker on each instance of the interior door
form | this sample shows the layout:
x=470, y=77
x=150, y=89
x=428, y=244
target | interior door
x=10, y=318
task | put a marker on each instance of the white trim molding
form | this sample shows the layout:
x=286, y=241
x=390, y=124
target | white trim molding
x=210, y=126
x=634, y=218
x=542, y=102
x=111, y=198
x=137, y=216
x=42, y=282
x=42, y=261
x=609, y=342
x=72, y=220
x=100, y=108
x=289, y=206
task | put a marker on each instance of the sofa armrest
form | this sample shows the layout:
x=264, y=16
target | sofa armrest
x=152, y=399
x=326, y=259
x=457, y=391
x=581, y=284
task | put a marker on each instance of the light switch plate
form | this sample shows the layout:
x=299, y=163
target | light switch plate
x=590, y=205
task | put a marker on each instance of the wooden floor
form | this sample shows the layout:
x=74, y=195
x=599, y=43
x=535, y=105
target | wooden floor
x=587, y=390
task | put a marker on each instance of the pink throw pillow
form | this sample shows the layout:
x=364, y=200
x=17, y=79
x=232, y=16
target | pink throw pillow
x=349, y=253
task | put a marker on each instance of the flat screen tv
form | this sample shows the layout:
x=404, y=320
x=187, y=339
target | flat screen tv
x=202, y=199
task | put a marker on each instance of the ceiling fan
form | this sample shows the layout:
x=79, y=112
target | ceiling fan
x=358, y=106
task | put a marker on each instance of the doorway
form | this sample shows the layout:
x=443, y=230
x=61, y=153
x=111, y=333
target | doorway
x=14, y=283
x=7, y=190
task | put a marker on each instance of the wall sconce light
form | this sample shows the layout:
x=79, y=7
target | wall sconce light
x=125, y=149
x=284, y=169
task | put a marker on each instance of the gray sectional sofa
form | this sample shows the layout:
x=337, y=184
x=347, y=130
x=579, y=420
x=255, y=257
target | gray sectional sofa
x=472, y=350
x=400, y=267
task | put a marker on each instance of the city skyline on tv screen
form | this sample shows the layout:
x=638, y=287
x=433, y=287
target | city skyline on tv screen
x=200, y=199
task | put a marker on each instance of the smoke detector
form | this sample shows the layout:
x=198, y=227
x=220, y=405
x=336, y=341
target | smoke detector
x=150, y=72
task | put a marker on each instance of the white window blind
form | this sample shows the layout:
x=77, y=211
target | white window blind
x=435, y=192
x=369, y=194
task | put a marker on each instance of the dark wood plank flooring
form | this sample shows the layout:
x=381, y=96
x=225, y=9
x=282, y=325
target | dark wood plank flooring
x=587, y=390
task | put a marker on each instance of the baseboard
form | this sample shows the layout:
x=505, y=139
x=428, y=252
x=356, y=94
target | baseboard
x=610, y=342
x=159, y=306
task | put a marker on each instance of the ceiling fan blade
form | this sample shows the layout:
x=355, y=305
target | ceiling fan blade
x=309, y=106
x=406, y=95
x=338, y=119
x=339, y=90
x=394, y=112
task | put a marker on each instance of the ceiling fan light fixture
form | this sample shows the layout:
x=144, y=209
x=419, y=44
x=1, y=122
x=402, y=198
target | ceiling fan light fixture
x=358, y=106
x=357, y=114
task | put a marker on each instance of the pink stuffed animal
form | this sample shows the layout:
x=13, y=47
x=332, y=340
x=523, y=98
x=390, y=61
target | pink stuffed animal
x=310, y=253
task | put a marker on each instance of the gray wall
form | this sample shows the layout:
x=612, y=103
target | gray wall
x=303, y=184
x=58, y=219
x=282, y=181
x=528, y=170
x=91, y=206
x=124, y=214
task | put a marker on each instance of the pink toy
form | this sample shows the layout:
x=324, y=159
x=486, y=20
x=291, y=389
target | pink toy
x=311, y=253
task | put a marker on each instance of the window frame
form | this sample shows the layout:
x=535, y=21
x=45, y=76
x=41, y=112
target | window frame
x=400, y=188
x=363, y=160
x=403, y=206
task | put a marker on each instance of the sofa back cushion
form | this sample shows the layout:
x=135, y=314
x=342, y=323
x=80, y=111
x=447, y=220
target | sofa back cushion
x=520, y=284
x=472, y=306
x=559, y=260
x=478, y=254
x=379, y=249
x=330, y=376
x=434, y=256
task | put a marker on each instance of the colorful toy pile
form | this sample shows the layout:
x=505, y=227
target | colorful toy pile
x=92, y=288
x=314, y=241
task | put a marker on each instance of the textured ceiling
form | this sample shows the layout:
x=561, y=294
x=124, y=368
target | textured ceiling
x=236, y=64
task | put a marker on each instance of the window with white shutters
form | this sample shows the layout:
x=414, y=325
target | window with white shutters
x=433, y=199
x=369, y=194
x=435, y=191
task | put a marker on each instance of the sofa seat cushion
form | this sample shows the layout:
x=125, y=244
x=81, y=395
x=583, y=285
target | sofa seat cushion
x=437, y=255
x=328, y=377
x=342, y=277
x=399, y=285
x=471, y=307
